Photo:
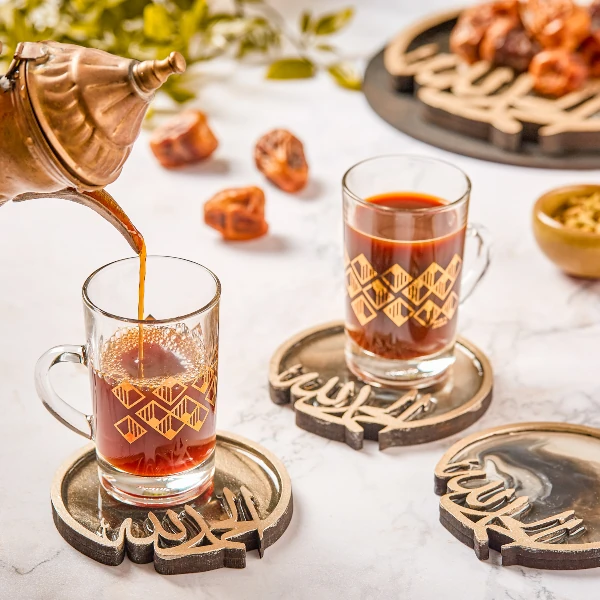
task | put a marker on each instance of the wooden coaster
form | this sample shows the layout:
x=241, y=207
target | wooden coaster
x=249, y=508
x=528, y=490
x=310, y=371
x=420, y=88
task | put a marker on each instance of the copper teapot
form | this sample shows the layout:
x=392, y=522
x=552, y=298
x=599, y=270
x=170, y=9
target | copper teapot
x=68, y=119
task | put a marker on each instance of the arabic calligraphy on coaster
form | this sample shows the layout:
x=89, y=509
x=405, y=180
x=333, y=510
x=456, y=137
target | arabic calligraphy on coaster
x=249, y=508
x=528, y=491
x=309, y=371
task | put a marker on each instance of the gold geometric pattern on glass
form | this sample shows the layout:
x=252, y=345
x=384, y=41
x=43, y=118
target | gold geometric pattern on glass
x=396, y=277
x=417, y=299
x=451, y=305
x=352, y=283
x=130, y=429
x=443, y=286
x=207, y=385
x=185, y=410
x=160, y=419
x=192, y=413
x=363, y=311
x=453, y=269
x=423, y=285
x=127, y=394
x=427, y=314
x=417, y=291
x=170, y=391
x=445, y=283
x=363, y=269
x=378, y=294
x=399, y=311
x=201, y=384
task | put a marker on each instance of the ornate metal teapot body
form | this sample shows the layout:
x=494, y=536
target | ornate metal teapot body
x=68, y=119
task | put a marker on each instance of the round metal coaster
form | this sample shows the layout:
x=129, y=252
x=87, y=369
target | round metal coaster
x=529, y=490
x=249, y=508
x=310, y=371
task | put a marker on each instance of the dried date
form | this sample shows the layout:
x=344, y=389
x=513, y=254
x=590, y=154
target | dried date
x=590, y=52
x=506, y=43
x=557, y=72
x=237, y=213
x=279, y=155
x=594, y=10
x=556, y=23
x=184, y=139
x=474, y=22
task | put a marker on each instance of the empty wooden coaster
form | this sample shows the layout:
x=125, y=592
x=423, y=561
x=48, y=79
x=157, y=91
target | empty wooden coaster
x=249, y=508
x=310, y=371
x=528, y=490
x=478, y=110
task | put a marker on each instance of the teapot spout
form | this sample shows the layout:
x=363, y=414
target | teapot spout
x=149, y=75
x=101, y=202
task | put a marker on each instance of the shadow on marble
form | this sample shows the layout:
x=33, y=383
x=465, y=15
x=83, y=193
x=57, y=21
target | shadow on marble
x=212, y=166
x=312, y=191
x=267, y=244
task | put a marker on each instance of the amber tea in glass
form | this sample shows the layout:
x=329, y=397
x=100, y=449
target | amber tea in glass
x=405, y=225
x=153, y=381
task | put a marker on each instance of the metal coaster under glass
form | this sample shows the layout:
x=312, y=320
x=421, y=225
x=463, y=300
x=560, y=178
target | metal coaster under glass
x=528, y=490
x=249, y=508
x=310, y=371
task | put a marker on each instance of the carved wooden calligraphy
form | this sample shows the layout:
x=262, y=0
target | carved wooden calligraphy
x=343, y=409
x=483, y=513
x=488, y=102
x=209, y=533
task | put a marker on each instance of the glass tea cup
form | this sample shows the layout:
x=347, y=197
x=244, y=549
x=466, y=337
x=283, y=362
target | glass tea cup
x=154, y=416
x=405, y=226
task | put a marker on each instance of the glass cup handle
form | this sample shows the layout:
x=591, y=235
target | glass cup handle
x=71, y=417
x=480, y=236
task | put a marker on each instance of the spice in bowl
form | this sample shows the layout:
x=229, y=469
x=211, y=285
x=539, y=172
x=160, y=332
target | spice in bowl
x=581, y=213
x=566, y=226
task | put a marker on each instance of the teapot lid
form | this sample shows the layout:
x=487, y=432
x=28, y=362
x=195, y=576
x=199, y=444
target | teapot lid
x=90, y=104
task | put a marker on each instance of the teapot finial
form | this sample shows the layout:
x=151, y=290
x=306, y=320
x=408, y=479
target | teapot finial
x=151, y=74
x=72, y=115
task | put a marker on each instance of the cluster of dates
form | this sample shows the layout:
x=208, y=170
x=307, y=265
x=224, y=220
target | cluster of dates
x=237, y=213
x=557, y=41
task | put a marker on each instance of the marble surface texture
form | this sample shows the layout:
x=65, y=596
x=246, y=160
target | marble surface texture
x=365, y=524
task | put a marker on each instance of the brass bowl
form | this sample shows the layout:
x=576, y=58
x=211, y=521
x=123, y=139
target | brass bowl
x=575, y=252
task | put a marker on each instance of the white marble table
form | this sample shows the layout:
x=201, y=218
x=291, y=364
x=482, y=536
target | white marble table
x=365, y=523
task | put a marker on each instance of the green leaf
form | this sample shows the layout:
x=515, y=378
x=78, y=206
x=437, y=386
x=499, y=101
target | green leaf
x=333, y=22
x=199, y=10
x=305, y=21
x=291, y=68
x=183, y=4
x=190, y=21
x=158, y=24
x=173, y=88
x=325, y=48
x=180, y=95
x=247, y=46
x=345, y=75
x=82, y=5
